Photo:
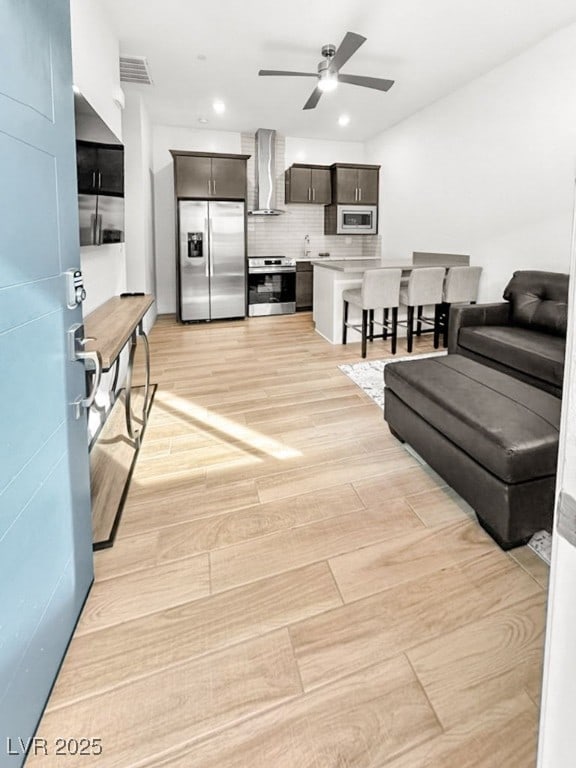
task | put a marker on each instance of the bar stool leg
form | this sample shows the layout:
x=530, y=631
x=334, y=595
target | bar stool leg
x=385, y=325
x=344, y=323
x=445, y=321
x=371, y=321
x=364, y=330
x=437, y=324
x=410, y=328
x=419, y=311
x=394, y=328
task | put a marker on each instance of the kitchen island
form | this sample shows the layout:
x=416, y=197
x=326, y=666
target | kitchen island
x=331, y=278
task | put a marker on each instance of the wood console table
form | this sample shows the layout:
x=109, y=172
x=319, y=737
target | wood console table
x=109, y=328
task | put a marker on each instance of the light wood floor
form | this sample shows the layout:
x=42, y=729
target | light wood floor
x=290, y=588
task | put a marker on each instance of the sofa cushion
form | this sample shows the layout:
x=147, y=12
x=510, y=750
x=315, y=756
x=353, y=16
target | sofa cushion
x=539, y=300
x=540, y=355
x=506, y=425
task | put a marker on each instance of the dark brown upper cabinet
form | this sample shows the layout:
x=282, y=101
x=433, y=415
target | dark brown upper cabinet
x=210, y=176
x=356, y=184
x=308, y=184
x=100, y=168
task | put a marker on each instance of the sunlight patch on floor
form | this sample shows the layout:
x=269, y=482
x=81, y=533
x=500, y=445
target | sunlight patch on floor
x=232, y=429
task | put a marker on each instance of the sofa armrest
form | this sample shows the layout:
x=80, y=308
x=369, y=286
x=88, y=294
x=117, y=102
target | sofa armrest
x=475, y=314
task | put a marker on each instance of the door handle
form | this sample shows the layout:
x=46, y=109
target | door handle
x=96, y=359
x=76, y=343
x=210, y=264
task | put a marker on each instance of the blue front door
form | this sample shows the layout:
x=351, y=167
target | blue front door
x=45, y=527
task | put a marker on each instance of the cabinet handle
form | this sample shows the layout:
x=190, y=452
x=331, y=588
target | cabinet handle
x=209, y=186
x=360, y=194
x=308, y=194
x=94, y=179
x=99, y=179
x=313, y=194
x=213, y=186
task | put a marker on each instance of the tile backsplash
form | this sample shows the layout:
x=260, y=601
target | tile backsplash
x=284, y=235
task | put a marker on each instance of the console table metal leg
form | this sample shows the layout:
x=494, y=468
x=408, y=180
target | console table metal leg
x=132, y=433
x=147, y=382
x=114, y=386
x=136, y=434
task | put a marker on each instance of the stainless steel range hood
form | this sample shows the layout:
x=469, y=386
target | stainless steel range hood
x=265, y=160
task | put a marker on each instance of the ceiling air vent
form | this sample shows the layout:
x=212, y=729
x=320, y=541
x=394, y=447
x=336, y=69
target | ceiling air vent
x=134, y=69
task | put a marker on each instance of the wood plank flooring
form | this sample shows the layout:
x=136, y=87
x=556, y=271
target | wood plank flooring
x=290, y=587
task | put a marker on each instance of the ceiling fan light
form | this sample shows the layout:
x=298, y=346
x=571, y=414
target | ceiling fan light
x=328, y=83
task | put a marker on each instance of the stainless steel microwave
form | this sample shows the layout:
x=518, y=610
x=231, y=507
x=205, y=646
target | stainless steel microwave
x=356, y=219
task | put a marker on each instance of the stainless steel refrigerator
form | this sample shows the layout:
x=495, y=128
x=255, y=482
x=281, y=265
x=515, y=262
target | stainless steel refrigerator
x=101, y=219
x=211, y=260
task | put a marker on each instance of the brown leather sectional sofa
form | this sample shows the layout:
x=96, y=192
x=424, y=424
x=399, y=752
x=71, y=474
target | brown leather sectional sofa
x=524, y=336
x=486, y=417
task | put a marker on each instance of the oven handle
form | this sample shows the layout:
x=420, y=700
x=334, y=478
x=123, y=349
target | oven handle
x=270, y=270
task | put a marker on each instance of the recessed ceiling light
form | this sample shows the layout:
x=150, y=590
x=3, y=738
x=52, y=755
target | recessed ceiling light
x=202, y=120
x=219, y=107
x=201, y=57
x=343, y=120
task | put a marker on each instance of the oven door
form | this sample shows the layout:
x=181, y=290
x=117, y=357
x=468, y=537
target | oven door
x=271, y=293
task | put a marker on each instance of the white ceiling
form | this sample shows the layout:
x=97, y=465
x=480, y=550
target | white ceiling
x=429, y=47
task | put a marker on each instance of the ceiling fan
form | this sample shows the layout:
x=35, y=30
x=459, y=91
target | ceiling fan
x=328, y=74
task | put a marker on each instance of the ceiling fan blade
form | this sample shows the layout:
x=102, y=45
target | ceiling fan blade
x=368, y=82
x=314, y=99
x=346, y=49
x=266, y=72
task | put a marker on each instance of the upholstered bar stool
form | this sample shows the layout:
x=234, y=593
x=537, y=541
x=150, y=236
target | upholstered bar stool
x=460, y=287
x=380, y=290
x=424, y=288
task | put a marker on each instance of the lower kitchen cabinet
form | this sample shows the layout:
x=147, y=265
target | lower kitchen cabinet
x=304, y=285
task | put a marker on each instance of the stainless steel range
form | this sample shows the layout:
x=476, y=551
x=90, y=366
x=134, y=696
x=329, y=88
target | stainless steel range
x=271, y=285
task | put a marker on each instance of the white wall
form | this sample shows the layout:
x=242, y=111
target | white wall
x=104, y=270
x=140, y=272
x=488, y=170
x=93, y=128
x=322, y=152
x=95, y=54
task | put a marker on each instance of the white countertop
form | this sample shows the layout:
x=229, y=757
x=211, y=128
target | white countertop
x=361, y=265
x=348, y=265
x=329, y=259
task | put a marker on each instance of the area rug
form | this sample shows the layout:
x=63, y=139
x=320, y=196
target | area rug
x=369, y=376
